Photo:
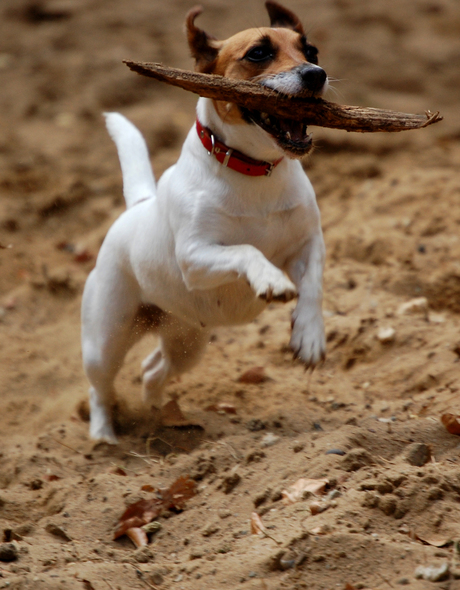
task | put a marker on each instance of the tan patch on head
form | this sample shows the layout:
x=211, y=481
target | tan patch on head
x=230, y=61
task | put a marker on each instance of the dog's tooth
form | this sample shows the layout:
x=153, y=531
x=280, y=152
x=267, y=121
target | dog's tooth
x=288, y=135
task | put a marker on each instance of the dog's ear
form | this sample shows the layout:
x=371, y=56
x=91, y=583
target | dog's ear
x=204, y=47
x=282, y=17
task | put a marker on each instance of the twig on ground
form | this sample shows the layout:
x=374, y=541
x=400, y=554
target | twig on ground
x=147, y=458
x=66, y=446
x=264, y=532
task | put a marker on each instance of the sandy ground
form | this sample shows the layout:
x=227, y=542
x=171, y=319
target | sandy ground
x=368, y=421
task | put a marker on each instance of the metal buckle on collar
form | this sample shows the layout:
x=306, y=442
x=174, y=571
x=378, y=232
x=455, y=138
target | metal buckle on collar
x=213, y=142
x=270, y=169
x=228, y=155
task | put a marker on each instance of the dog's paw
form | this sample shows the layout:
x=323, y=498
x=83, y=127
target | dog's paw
x=274, y=286
x=103, y=433
x=101, y=425
x=308, y=341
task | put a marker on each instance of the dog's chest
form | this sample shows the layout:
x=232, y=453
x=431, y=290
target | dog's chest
x=276, y=234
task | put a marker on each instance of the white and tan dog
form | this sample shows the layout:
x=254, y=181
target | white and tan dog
x=230, y=227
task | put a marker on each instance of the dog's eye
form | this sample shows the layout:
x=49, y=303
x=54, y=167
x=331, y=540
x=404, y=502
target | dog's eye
x=260, y=53
x=311, y=54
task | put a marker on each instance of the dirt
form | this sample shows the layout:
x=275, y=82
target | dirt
x=368, y=420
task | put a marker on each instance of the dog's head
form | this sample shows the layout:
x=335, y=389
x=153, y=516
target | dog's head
x=279, y=57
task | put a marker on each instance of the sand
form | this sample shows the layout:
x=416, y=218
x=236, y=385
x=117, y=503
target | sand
x=368, y=420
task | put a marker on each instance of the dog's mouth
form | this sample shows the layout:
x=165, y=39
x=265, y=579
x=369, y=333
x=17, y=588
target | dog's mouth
x=290, y=135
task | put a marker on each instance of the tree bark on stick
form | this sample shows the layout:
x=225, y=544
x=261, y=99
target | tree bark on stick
x=312, y=111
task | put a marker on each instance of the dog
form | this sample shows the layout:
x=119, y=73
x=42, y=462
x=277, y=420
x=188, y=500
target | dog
x=232, y=226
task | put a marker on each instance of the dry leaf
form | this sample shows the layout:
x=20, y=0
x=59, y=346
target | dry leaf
x=253, y=376
x=322, y=529
x=297, y=490
x=83, y=256
x=51, y=477
x=147, y=488
x=179, y=492
x=257, y=526
x=172, y=416
x=138, y=514
x=118, y=471
x=433, y=539
x=138, y=536
x=318, y=507
x=144, y=511
x=451, y=422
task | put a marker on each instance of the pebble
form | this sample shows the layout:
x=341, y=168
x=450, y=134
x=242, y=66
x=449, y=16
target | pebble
x=274, y=562
x=255, y=425
x=333, y=494
x=143, y=555
x=156, y=578
x=196, y=554
x=386, y=335
x=357, y=458
x=418, y=305
x=8, y=552
x=152, y=527
x=318, y=507
x=417, y=454
x=230, y=482
x=210, y=529
x=224, y=513
x=269, y=440
x=57, y=531
x=433, y=573
x=336, y=452
x=388, y=504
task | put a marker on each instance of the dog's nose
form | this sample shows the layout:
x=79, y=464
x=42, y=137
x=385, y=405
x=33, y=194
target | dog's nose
x=313, y=77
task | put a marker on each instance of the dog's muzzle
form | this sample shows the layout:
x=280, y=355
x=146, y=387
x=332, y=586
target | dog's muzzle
x=313, y=77
x=305, y=80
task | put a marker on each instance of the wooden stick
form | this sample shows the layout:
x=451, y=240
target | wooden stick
x=312, y=111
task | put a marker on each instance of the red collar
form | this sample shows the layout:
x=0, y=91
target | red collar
x=231, y=158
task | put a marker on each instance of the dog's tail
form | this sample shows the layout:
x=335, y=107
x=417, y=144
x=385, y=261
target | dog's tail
x=138, y=179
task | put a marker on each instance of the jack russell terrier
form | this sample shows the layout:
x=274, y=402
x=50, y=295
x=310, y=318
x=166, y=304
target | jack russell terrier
x=231, y=226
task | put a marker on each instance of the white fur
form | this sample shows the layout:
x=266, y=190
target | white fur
x=207, y=250
x=138, y=180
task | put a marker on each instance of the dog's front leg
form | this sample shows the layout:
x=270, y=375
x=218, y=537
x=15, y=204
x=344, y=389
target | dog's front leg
x=207, y=266
x=308, y=339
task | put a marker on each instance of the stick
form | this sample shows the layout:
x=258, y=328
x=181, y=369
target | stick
x=313, y=111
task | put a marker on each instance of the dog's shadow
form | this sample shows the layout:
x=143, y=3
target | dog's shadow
x=142, y=428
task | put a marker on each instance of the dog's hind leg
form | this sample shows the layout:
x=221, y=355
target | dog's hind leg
x=182, y=346
x=109, y=329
